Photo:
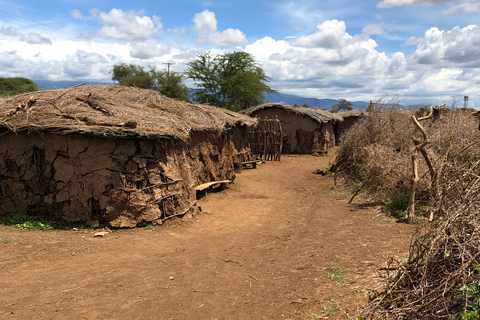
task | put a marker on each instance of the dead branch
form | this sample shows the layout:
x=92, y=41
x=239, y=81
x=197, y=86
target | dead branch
x=413, y=186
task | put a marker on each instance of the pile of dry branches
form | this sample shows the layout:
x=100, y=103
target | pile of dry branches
x=378, y=149
x=441, y=278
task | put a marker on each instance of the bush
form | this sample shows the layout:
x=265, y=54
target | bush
x=441, y=278
x=14, y=86
x=378, y=148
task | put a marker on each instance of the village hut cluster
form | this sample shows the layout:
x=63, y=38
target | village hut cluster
x=306, y=130
x=118, y=156
x=126, y=157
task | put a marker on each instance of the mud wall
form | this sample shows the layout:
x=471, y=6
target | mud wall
x=301, y=134
x=119, y=182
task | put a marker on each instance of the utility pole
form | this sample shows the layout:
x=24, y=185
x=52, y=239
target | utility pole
x=168, y=67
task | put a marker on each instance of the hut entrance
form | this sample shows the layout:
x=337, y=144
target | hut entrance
x=266, y=139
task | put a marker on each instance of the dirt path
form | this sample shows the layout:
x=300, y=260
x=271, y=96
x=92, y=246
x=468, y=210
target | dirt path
x=263, y=249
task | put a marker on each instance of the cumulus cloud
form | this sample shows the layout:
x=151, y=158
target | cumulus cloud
x=31, y=38
x=206, y=29
x=89, y=57
x=128, y=26
x=352, y=66
x=329, y=34
x=454, y=48
x=35, y=38
x=8, y=31
x=149, y=49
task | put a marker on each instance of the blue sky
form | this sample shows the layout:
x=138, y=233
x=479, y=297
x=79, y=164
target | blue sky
x=422, y=51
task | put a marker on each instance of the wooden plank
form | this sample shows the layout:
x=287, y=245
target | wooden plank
x=210, y=184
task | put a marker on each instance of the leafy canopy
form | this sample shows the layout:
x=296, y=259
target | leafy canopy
x=342, y=105
x=233, y=80
x=13, y=86
x=166, y=82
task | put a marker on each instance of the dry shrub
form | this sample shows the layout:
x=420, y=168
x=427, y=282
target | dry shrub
x=441, y=278
x=378, y=148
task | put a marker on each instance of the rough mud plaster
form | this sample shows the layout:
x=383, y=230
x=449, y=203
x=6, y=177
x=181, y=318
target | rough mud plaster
x=120, y=182
x=301, y=133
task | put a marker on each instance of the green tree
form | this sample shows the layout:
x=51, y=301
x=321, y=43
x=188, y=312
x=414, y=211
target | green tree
x=342, y=105
x=132, y=75
x=170, y=84
x=233, y=80
x=13, y=86
x=166, y=82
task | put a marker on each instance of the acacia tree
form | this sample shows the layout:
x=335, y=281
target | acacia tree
x=342, y=105
x=233, y=80
x=166, y=82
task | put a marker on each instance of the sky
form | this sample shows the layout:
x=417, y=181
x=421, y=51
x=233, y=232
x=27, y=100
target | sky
x=414, y=51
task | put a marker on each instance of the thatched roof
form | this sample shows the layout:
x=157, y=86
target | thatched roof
x=113, y=111
x=316, y=114
x=351, y=113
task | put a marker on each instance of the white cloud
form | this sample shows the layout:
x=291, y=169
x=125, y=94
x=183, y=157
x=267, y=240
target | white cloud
x=77, y=14
x=463, y=7
x=30, y=38
x=206, y=29
x=149, y=49
x=454, y=6
x=400, y=3
x=373, y=29
x=329, y=34
x=128, y=26
x=454, y=48
x=35, y=38
x=89, y=57
x=8, y=31
x=412, y=41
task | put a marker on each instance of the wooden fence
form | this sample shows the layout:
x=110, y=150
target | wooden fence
x=266, y=139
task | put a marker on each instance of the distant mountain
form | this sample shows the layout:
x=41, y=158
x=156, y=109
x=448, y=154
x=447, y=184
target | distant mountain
x=49, y=84
x=312, y=102
x=279, y=97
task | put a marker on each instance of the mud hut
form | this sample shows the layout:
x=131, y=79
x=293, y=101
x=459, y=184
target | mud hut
x=112, y=155
x=305, y=130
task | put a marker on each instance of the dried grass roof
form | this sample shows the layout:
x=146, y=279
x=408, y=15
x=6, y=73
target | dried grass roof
x=351, y=113
x=316, y=114
x=113, y=111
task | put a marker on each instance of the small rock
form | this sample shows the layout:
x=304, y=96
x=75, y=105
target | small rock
x=75, y=229
x=171, y=278
x=100, y=234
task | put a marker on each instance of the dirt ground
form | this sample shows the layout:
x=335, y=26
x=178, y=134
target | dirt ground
x=279, y=243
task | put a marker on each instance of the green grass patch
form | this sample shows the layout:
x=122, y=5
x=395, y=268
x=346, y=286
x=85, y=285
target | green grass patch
x=334, y=274
x=24, y=221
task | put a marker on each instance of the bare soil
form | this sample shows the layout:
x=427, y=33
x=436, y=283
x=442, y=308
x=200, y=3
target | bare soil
x=265, y=248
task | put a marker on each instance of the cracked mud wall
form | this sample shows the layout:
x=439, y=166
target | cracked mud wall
x=119, y=182
x=301, y=134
